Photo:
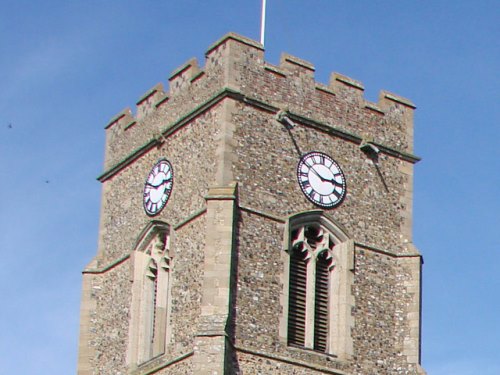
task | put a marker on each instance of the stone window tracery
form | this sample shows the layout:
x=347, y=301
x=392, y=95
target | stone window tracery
x=311, y=262
x=317, y=299
x=150, y=289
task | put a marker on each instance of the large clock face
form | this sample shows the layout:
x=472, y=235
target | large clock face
x=158, y=187
x=321, y=179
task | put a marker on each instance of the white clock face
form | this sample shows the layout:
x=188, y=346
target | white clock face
x=321, y=179
x=158, y=187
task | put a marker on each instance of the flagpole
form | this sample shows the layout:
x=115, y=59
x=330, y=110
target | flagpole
x=263, y=22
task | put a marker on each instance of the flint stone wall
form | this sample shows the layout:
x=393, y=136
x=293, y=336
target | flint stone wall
x=218, y=124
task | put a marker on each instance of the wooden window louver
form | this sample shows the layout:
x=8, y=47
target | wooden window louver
x=153, y=277
x=297, y=299
x=321, y=302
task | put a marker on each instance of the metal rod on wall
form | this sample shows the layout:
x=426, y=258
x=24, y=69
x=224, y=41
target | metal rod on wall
x=263, y=22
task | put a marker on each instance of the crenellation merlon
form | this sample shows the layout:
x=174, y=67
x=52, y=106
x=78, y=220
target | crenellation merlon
x=122, y=118
x=231, y=58
x=182, y=76
x=158, y=88
x=114, y=130
x=237, y=38
x=147, y=102
x=388, y=99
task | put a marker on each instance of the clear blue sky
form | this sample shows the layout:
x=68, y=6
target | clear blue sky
x=67, y=67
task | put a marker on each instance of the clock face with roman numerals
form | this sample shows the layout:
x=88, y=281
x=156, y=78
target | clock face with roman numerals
x=158, y=187
x=321, y=179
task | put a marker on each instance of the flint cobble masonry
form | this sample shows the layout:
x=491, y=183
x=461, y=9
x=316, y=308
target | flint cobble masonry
x=235, y=187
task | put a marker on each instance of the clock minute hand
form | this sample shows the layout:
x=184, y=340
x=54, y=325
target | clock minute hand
x=317, y=174
x=330, y=180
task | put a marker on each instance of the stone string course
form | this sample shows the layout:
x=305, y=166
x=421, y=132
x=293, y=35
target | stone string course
x=217, y=124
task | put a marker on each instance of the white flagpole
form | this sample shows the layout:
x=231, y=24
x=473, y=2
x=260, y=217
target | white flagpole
x=263, y=22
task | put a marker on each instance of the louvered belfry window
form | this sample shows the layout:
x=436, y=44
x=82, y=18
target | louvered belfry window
x=311, y=265
x=297, y=300
x=150, y=299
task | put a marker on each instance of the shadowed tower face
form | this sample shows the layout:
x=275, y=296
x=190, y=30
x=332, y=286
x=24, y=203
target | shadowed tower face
x=255, y=221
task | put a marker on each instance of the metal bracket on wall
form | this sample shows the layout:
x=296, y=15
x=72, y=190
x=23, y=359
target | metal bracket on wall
x=369, y=148
x=372, y=151
x=282, y=117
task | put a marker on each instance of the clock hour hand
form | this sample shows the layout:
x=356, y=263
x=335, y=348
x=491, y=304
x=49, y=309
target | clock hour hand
x=160, y=184
x=154, y=186
x=333, y=182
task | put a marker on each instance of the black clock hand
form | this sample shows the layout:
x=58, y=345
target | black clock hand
x=330, y=180
x=160, y=184
x=333, y=182
x=154, y=186
x=317, y=174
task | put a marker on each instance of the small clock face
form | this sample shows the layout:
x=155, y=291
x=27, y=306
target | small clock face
x=321, y=179
x=158, y=187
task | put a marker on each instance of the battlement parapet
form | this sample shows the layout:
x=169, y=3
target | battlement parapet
x=237, y=63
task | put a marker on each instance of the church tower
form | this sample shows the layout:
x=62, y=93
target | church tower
x=255, y=221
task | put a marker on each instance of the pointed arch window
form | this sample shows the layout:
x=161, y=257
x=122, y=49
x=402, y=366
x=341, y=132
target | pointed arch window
x=150, y=294
x=317, y=298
